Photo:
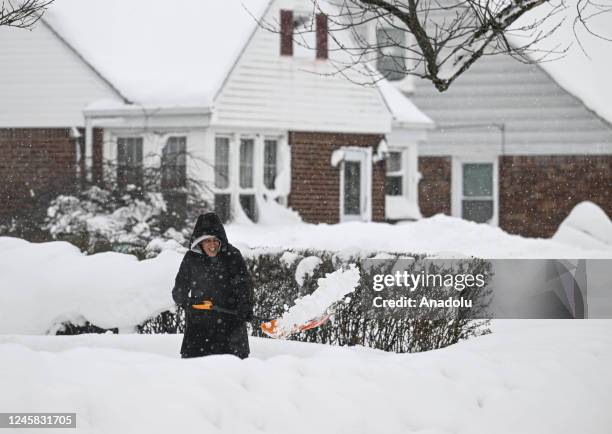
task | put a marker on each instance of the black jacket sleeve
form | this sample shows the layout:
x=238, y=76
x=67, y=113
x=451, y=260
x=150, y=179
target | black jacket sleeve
x=180, y=292
x=242, y=286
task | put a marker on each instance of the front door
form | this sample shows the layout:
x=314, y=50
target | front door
x=355, y=185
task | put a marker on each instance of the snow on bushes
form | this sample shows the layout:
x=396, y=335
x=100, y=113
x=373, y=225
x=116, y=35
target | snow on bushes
x=306, y=268
x=99, y=220
x=47, y=284
x=53, y=287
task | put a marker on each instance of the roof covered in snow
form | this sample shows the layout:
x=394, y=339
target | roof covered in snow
x=580, y=59
x=404, y=112
x=505, y=106
x=159, y=52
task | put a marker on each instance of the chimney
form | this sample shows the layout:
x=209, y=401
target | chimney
x=286, y=20
x=322, y=52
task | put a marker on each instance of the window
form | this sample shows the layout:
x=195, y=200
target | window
x=223, y=206
x=270, y=165
x=352, y=187
x=394, y=180
x=391, y=60
x=222, y=162
x=477, y=192
x=247, y=201
x=129, y=161
x=246, y=163
x=174, y=169
x=304, y=35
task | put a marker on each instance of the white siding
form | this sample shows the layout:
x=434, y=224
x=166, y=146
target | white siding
x=43, y=83
x=267, y=90
x=539, y=116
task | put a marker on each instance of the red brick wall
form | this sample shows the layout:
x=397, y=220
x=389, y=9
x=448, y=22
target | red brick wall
x=537, y=192
x=435, y=185
x=315, y=184
x=34, y=162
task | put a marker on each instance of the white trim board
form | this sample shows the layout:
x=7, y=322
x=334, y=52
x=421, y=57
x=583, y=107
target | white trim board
x=457, y=184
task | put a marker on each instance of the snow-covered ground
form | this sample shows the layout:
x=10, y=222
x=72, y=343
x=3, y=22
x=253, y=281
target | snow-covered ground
x=438, y=235
x=528, y=377
x=540, y=377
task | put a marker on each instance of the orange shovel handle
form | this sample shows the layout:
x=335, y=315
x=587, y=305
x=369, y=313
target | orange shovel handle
x=205, y=305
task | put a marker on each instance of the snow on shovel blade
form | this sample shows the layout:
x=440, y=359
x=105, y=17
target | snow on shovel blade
x=272, y=329
x=312, y=310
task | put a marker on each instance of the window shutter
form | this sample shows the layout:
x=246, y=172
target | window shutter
x=286, y=46
x=322, y=36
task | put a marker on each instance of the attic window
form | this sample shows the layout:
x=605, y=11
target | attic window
x=303, y=34
x=391, y=60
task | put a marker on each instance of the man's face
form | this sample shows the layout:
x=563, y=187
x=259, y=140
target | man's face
x=210, y=246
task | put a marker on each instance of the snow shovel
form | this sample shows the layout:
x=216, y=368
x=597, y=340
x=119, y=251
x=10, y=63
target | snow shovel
x=270, y=325
x=270, y=328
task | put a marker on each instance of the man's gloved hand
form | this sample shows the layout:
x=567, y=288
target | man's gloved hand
x=205, y=305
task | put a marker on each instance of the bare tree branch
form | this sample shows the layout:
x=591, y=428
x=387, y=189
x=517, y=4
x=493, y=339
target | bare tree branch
x=438, y=40
x=22, y=13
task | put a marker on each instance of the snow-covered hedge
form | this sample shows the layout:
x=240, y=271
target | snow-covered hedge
x=126, y=221
x=282, y=277
x=53, y=287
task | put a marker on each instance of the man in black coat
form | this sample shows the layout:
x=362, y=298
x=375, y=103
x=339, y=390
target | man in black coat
x=214, y=287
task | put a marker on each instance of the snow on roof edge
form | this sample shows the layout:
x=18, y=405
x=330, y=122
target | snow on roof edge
x=402, y=109
x=582, y=74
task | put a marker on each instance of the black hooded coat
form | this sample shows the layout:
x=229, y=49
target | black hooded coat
x=222, y=279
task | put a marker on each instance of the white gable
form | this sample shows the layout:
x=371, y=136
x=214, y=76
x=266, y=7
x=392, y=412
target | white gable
x=43, y=83
x=158, y=52
x=267, y=90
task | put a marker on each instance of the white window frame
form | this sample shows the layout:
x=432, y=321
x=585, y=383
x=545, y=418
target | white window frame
x=180, y=159
x=457, y=184
x=115, y=152
x=364, y=156
x=254, y=163
x=263, y=161
x=234, y=189
x=229, y=164
x=402, y=172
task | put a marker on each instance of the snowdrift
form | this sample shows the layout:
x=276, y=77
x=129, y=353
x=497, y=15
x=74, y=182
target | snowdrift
x=529, y=377
x=433, y=235
x=587, y=226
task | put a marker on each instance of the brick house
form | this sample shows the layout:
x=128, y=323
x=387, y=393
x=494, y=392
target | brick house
x=258, y=115
x=519, y=145
x=519, y=155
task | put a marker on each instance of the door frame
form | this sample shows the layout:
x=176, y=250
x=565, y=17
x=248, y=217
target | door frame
x=363, y=156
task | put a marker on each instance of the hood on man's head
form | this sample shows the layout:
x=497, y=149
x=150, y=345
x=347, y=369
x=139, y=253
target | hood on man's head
x=207, y=225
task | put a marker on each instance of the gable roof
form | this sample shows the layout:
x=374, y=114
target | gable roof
x=506, y=106
x=580, y=61
x=135, y=44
